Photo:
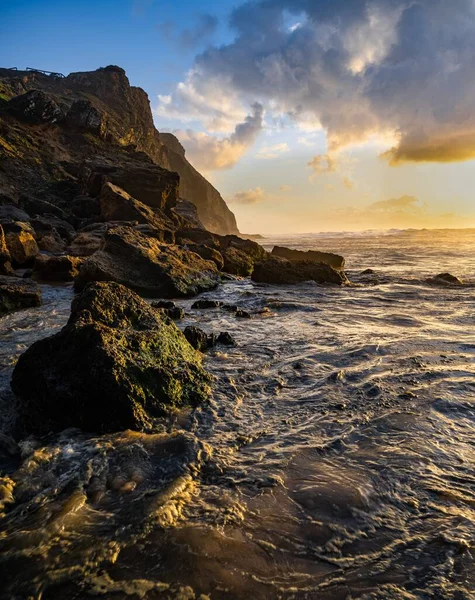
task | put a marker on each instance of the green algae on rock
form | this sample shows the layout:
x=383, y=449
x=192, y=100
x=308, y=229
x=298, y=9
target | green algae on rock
x=116, y=365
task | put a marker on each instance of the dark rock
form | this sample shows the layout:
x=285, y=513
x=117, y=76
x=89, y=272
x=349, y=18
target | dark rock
x=237, y=262
x=207, y=253
x=35, y=107
x=16, y=293
x=199, y=339
x=445, y=279
x=48, y=224
x=116, y=365
x=22, y=246
x=10, y=212
x=170, y=309
x=188, y=214
x=334, y=260
x=5, y=258
x=142, y=179
x=148, y=266
x=230, y=307
x=85, y=207
x=368, y=272
x=118, y=205
x=85, y=116
x=56, y=268
x=86, y=243
x=243, y=314
x=282, y=271
x=201, y=304
x=226, y=339
x=39, y=206
x=53, y=243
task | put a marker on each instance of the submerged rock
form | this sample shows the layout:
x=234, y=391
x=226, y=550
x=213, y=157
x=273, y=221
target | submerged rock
x=445, y=279
x=16, y=294
x=170, y=309
x=56, y=268
x=282, y=271
x=334, y=260
x=203, y=304
x=116, y=365
x=146, y=265
x=198, y=338
x=226, y=339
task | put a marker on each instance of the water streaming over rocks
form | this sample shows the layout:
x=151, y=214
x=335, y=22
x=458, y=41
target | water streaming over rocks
x=336, y=459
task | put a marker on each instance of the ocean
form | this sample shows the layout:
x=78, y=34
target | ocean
x=335, y=460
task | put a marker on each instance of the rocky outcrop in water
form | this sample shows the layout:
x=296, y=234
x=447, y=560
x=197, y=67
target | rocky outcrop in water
x=445, y=279
x=56, y=268
x=16, y=294
x=148, y=266
x=281, y=271
x=116, y=365
x=334, y=260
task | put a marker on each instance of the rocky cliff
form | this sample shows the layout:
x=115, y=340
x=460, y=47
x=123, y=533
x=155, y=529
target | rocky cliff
x=49, y=125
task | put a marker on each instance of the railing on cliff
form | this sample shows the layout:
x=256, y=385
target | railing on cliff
x=49, y=73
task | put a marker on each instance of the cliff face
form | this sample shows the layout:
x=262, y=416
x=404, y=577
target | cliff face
x=82, y=115
x=212, y=209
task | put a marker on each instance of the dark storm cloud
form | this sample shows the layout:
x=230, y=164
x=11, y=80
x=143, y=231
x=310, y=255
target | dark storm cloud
x=357, y=68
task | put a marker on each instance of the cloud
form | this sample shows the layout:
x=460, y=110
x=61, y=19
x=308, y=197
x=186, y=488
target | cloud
x=348, y=183
x=268, y=152
x=285, y=188
x=248, y=197
x=323, y=163
x=356, y=68
x=199, y=34
x=209, y=153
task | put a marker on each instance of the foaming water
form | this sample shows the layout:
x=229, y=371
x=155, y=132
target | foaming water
x=335, y=459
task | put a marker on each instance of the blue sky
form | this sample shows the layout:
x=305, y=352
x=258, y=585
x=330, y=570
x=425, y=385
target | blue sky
x=306, y=114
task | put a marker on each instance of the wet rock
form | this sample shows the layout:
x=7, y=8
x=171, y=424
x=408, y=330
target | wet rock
x=242, y=314
x=56, y=268
x=203, y=304
x=237, y=262
x=35, y=107
x=445, y=279
x=278, y=270
x=118, y=205
x=334, y=260
x=5, y=258
x=146, y=265
x=116, y=365
x=368, y=272
x=226, y=339
x=21, y=244
x=139, y=176
x=16, y=293
x=199, y=339
x=170, y=309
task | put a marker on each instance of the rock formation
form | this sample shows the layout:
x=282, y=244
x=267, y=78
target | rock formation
x=334, y=260
x=51, y=125
x=116, y=365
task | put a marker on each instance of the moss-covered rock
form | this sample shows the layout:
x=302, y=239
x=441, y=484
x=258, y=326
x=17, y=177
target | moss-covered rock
x=22, y=245
x=5, y=258
x=56, y=268
x=116, y=365
x=282, y=271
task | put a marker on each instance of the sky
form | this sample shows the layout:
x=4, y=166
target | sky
x=307, y=115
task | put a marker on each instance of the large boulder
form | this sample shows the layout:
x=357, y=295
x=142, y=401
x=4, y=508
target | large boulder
x=86, y=243
x=16, y=293
x=282, y=271
x=118, y=205
x=139, y=177
x=83, y=115
x=116, y=365
x=5, y=258
x=21, y=244
x=48, y=224
x=237, y=262
x=148, y=266
x=35, y=106
x=334, y=260
x=10, y=212
x=56, y=268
